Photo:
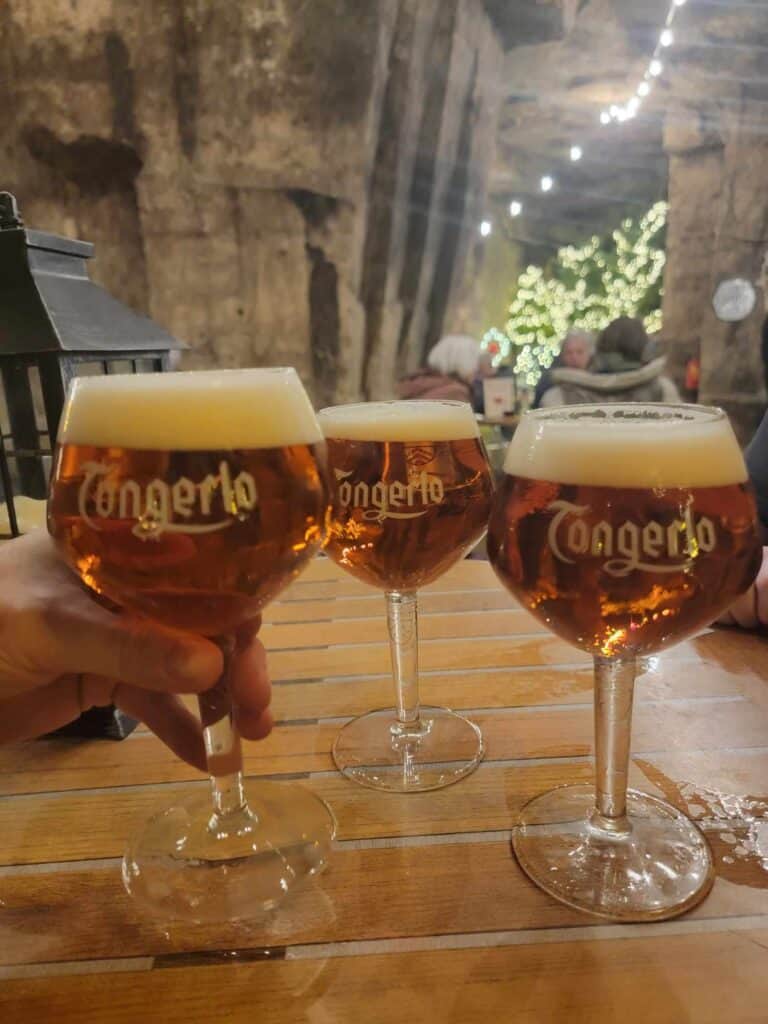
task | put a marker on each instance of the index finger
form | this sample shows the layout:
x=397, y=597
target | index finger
x=251, y=690
x=128, y=649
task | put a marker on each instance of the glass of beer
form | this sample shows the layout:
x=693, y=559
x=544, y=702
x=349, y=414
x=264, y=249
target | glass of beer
x=623, y=528
x=193, y=499
x=410, y=496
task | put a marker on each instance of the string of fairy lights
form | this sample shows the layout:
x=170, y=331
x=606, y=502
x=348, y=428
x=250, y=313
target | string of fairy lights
x=616, y=113
x=601, y=280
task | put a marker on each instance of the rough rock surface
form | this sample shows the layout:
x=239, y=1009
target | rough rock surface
x=274, y=182
x=718, y=191
x=554, y=92
x=700, y=139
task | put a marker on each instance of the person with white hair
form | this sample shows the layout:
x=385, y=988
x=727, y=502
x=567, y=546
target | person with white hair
x=576, y=353
x=627, y=367
x=452, y=366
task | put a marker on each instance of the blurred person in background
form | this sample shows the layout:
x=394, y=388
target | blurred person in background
x=452, y=366
x=626, y=368
x=576, y=353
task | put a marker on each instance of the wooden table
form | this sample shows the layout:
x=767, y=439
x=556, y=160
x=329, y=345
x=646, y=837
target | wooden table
x=423, y=915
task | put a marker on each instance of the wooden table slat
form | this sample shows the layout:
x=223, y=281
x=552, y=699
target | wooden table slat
x=370, y=605
x=390, y=892
x=96, y=823
x=673, y=978
x=281, y=637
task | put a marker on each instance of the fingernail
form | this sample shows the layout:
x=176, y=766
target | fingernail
x=197, y=663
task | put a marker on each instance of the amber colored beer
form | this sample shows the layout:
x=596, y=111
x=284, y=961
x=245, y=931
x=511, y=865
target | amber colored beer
x=410, y=490
x=188, y=511
x=632, y=566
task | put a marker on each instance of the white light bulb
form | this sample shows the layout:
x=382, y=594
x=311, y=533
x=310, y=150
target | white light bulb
x=547, y=183
x=485, y=228
x=576, y=153
x=515, y=208
x=643, y=89
x=633, y=105
x=667, y=37
x=679, y=3
x=614, y=110
x=605, y=117
x=655, y=67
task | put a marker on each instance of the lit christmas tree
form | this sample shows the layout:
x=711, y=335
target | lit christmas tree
x=586, y=286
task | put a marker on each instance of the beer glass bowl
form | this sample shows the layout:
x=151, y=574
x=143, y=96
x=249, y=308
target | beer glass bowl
x=410, y=496
x=624, y=529
x=192, y=499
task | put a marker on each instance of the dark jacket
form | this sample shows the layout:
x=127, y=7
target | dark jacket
x=757, y=463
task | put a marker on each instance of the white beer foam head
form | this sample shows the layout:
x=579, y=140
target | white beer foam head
x=627, y=446
x=400, y=421
x=209, y=410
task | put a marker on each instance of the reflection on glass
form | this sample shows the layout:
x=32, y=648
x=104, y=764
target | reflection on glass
x=624, y=529
x=193, y=499
x=410, y=496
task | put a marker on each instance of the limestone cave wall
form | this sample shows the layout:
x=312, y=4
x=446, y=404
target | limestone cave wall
x=275, y=181
x=717, y=144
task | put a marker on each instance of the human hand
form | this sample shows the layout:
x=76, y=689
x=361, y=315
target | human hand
x=62, y=653
x=750, y=611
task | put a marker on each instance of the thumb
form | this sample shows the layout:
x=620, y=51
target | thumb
x=129, y=650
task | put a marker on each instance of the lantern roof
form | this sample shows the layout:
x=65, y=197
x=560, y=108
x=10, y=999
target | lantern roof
x=48, y=303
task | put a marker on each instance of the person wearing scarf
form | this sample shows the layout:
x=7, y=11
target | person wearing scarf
x=626, y=368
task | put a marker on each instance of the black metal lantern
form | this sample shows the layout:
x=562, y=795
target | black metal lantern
x=55, y=324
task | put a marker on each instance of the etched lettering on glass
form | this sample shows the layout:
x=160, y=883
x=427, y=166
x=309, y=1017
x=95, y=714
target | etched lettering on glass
x=629, y=546
x=159, y=507
x=390, y=500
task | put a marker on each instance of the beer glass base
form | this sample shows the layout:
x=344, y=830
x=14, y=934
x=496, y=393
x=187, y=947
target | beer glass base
x=186, y=866
x=659, y=869
x=375, y=751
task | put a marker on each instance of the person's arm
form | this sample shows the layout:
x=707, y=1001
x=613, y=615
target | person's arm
x=669, y=392
x=62, y=653
x=750, y=611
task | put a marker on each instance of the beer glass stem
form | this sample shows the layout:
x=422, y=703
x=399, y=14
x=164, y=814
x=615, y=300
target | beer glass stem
x=222, y=741
x=402, y=622
x=614, y=686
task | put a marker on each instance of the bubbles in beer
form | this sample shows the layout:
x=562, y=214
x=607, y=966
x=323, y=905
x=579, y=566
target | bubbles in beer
x=625, y=530
x=192, y=498
x=410, y=489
